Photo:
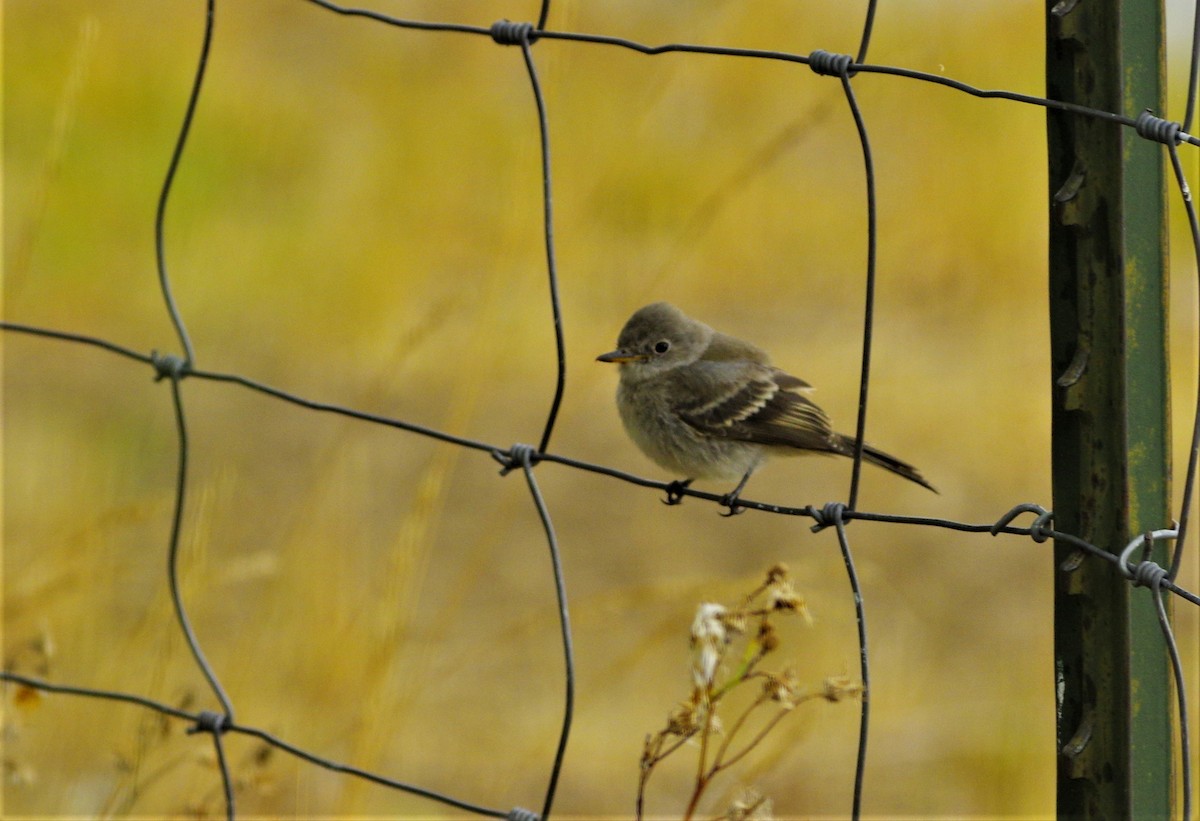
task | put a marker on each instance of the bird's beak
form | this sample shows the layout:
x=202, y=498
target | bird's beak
x=620, y=357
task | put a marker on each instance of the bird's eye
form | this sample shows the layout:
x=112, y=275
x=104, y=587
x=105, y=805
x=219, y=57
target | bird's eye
x=662, y=346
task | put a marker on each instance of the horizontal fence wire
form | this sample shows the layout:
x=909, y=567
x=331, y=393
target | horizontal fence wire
x=176, y=369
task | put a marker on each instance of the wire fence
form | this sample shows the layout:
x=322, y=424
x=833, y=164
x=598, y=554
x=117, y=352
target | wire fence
x=219, y=721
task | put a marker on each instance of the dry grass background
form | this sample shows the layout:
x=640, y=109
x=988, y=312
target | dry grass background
x=357, y=220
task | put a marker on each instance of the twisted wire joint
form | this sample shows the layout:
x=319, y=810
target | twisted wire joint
x=829, y=515
x=1148, y=574
x=1039, y=531
x=508, y=33
x=1141, y=574
x=518, y=456
x=169, y=366
x=210, y=721
x=829, y=64
x=1158, y=129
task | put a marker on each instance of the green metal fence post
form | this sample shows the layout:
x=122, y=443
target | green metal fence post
x=1111, y=459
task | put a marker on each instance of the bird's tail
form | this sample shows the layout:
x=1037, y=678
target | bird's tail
x=887, y=462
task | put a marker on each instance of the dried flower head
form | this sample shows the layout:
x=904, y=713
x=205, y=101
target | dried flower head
x=683, y=720
x=782, y=596
x=750, y=805
x=709, y=637
x=836, y=688
x=735, y=622
x=783, y=688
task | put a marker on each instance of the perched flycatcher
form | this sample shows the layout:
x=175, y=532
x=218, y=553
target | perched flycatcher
x=704, y=405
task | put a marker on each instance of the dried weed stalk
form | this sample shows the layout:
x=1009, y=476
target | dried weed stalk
x=716, y=630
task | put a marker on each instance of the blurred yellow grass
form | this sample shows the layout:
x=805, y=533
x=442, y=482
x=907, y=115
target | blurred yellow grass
x=357, y=219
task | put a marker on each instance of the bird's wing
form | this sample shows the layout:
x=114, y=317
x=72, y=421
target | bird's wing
x=789, y=382
x=752, y=402
x=731, y=350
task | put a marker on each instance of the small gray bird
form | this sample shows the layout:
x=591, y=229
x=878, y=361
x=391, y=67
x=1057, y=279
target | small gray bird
x=705, y=405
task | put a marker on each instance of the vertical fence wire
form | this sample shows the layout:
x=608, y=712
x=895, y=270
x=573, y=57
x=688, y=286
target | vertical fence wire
x=160, y=216
x=1189, y=206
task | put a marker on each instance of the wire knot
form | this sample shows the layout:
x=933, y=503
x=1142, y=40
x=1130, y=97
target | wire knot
x=1039, y=531
x=169, y=366
x=521, y=814
x=518, y=456
x=1145, y=573
x=829, y=64
x=210, y=721
x=508, y=33
x=1158, y=129
x=829, y=515
x=1148, y=574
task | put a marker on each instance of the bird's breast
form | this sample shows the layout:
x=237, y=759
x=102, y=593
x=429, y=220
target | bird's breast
x=650, y=418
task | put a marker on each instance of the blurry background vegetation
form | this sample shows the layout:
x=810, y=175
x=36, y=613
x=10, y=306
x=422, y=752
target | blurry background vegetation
x=357, y=219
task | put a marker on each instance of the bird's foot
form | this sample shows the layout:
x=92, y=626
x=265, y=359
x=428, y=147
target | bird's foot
x=730, y=500
x=675, y=491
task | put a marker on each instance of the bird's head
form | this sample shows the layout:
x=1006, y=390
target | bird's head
x=657, y=338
